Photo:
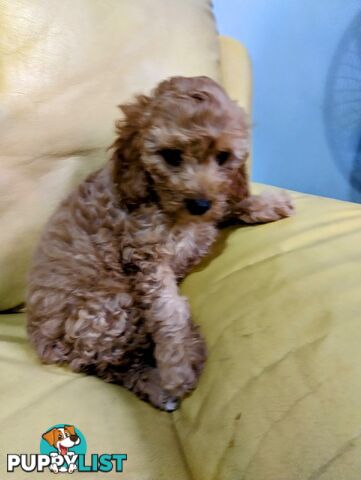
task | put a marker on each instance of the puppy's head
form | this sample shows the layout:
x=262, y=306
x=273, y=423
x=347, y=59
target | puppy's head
x=185, y=144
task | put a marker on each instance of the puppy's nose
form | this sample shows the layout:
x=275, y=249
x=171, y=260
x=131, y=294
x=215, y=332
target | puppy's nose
x=73, y=438
x=198, y=206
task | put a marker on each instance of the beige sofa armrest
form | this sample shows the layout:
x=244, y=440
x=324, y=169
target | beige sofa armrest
x=236, y=75
x=235, y=71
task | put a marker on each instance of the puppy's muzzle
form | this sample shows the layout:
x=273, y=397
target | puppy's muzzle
x=197, y=206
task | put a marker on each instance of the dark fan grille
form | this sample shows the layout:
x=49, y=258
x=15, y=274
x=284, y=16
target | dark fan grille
x=343, y=106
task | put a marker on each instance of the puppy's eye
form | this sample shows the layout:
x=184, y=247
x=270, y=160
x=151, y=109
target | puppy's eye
x=222, y=157
x=60, y=437
x=172, y=156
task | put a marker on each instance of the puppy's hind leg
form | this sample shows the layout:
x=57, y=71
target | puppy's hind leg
x=107, y=342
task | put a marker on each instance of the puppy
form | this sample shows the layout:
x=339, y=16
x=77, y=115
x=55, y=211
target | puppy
x=103, y=295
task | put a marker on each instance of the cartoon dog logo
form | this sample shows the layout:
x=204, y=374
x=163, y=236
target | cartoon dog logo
x=62, y=439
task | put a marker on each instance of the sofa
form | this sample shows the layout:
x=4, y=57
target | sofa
x=279, y=304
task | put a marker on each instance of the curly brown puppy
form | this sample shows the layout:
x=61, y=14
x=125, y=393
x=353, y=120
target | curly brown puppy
x=103, y=293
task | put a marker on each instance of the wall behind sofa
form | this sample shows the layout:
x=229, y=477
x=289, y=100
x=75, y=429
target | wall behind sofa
x=306, y=59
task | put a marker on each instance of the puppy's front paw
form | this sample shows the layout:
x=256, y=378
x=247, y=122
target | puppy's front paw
x=179, y=379
x=180, y=376
x=196, y=350
x=267, y=207
x=171, y=405
x=162, y=399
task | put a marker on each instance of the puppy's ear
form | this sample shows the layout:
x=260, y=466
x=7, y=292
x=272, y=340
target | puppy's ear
x=50, y=436
x=128, y=171
x=131, y=126
x=239, y=190
x=240, y=184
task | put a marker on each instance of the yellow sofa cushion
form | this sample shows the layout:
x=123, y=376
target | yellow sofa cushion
x=280, y=396
x=64, y=66
x=280, y=307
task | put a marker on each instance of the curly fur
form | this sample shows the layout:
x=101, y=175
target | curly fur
x=103, y=293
